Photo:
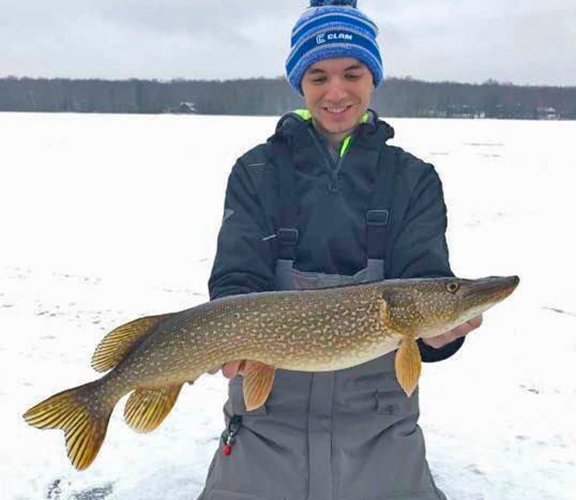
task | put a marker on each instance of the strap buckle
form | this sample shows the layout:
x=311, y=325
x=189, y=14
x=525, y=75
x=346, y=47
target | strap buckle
x=377, y=217
x=288, y=236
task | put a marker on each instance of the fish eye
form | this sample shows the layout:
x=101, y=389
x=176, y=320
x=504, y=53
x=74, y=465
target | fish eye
x=452, y=287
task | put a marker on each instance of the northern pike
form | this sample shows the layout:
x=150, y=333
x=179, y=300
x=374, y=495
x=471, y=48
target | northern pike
x=313, y=330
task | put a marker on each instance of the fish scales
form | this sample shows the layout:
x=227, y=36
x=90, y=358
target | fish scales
x=315, y=330
x=274, y=328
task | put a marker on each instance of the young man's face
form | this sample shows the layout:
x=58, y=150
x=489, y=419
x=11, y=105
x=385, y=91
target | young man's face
x=337, y=93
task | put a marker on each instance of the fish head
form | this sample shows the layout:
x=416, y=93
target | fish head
x=430, y=307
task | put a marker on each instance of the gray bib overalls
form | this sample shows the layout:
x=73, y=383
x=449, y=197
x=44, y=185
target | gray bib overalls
x=345, y=435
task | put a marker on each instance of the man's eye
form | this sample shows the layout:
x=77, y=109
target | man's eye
x=352, y=77
x=318, y=80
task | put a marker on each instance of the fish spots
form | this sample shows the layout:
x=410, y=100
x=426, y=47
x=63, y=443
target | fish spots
x=285, y=329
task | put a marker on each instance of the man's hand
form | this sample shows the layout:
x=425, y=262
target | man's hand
x=233, y=368
x=460, y=331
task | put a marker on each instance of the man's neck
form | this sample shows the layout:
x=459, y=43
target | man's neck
x=334, y=140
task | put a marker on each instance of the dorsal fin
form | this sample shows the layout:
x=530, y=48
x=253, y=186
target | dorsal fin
x=114, y=346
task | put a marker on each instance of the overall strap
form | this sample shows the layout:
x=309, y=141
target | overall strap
x=379, y=216
x=280, y=154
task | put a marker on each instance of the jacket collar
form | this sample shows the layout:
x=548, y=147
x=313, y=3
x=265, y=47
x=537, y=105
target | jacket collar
x=291, y=124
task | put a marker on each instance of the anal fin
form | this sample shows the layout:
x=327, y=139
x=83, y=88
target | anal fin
x=257, y=384
x=147, y=408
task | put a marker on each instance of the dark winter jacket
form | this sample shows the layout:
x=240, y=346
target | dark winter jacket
x=334, y=197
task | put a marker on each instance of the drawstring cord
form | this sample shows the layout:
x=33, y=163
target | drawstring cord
x=229, y=435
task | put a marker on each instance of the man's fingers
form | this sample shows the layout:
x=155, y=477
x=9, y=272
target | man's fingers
x=476, y=322
x=460, y=331
x=467, y=327
x=242, y=367
x=233, y=368
x=440, y=340
x=230, y=370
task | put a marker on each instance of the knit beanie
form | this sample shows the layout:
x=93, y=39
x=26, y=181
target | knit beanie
x=332, y=28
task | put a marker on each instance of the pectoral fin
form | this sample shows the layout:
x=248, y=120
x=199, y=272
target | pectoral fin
x=408, y=364
x=257, y=384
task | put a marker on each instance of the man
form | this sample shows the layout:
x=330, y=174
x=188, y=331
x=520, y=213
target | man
x=327, y=202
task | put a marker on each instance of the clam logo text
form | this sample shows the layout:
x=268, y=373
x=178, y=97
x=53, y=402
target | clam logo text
x=333, y=37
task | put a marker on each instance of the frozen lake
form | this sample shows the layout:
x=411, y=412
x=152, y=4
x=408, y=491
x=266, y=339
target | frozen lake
x=106, y=218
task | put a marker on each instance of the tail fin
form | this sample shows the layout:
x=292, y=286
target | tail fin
x=83, y=416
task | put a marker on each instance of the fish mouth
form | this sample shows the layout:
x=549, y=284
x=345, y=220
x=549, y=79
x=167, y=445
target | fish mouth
x=490, y=290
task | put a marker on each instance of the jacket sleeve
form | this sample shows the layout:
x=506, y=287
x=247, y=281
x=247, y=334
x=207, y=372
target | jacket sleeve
x=420, y=248
x=244, y=261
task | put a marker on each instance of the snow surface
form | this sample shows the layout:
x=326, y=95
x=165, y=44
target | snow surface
x=106, y=218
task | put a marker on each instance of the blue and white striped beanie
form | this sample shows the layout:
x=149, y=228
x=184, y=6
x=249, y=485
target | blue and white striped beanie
x=332, y=28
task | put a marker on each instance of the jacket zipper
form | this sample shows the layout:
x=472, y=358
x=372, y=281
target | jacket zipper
x=332, y=167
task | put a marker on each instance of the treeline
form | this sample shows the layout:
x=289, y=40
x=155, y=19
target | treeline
x=397, y=97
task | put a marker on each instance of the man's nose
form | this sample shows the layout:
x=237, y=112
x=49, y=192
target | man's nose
x=336, y=91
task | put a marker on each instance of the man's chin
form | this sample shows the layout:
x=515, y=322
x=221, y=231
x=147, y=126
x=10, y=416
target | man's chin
x=339, y=124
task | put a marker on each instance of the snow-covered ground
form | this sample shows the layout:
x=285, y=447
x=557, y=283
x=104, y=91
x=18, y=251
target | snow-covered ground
x=107, y=218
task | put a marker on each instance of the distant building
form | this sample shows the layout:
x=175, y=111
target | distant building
x=463, y=111
x=184, y=108
x=187, y=107
x=547, y=114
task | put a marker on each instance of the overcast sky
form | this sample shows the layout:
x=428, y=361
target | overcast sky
x=524, y=42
